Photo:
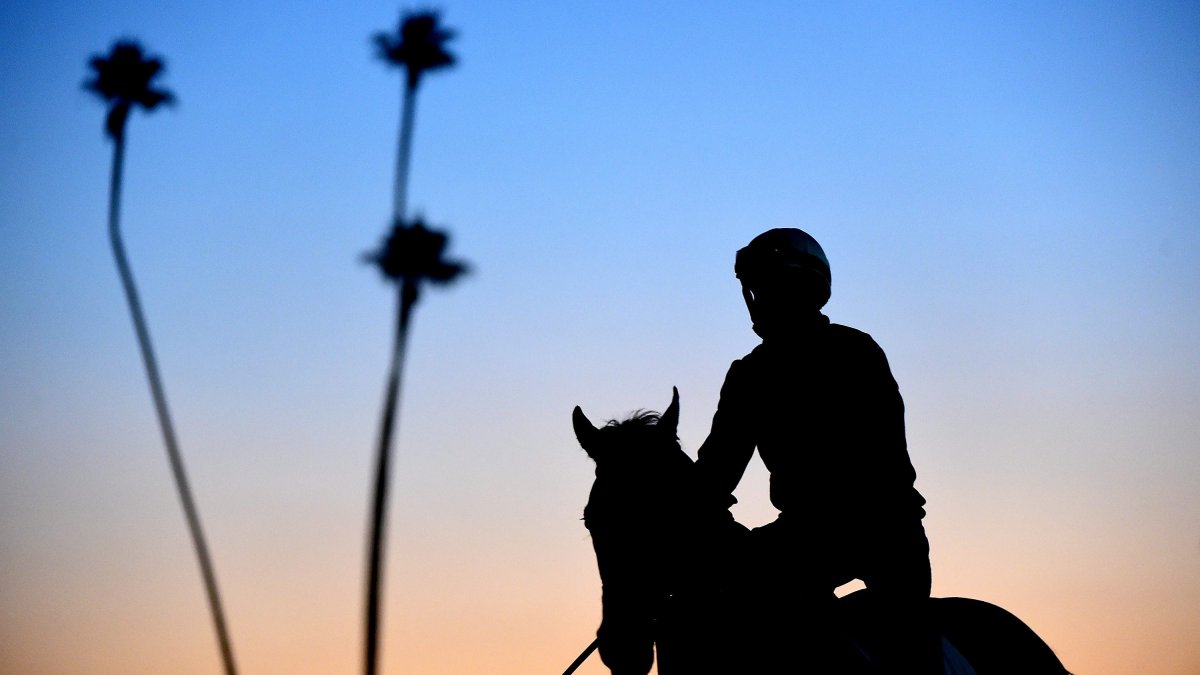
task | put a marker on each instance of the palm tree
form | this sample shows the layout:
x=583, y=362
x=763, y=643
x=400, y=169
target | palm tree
x=410, y=255
x=418, y=45
x=124, y=79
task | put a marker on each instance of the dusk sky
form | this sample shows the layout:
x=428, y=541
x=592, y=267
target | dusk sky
x=1009, y=195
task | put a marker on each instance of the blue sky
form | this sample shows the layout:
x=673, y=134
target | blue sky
x=1009, y=196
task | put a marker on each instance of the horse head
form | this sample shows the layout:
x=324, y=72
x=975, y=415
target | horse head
x=644, y=479
x=635, y=513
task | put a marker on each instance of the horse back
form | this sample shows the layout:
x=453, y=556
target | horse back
x=993, y=640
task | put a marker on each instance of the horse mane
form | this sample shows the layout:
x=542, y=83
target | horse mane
x=616, y=437
x=638, y=419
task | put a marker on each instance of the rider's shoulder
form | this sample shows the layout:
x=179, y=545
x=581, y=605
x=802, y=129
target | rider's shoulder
x=847, y=333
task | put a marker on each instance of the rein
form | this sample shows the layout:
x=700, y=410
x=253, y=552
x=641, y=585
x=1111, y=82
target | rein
x=582, y=657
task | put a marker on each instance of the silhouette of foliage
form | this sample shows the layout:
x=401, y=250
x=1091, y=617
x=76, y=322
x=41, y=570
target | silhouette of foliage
x=410, y=255
x=412, y=251
x=418, y=45
x=124, y=79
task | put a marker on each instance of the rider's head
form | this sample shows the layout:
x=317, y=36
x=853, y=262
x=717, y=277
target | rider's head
x=785, y=278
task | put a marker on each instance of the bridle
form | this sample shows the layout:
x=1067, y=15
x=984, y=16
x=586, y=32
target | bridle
x=582, y=657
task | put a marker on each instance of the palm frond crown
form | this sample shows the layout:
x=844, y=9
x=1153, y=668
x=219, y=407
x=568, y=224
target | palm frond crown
x=124, y=78
x=414, y=252
x=418, y=45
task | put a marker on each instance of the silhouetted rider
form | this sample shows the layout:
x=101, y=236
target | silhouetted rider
x=819, y=402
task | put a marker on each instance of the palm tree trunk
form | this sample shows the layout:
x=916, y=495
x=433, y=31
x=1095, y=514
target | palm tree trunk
x=160, y=404
x=407, y=298
x=404, y=152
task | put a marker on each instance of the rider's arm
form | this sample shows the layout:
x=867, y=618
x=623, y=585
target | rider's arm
x=723, y=457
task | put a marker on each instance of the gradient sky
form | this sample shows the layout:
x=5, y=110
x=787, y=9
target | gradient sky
x=1009, y=194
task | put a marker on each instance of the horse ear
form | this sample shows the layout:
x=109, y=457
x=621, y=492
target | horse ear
x=670, y=419
x=585, y=431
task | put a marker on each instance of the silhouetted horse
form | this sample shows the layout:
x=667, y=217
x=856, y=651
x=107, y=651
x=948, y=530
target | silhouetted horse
x=672, y=565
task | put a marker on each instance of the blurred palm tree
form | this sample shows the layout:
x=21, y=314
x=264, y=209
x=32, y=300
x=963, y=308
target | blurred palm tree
x=125, y=79
x=410, y=255
x=417, y=46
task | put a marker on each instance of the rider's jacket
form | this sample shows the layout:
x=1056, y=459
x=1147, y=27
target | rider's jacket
x=826, y=415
